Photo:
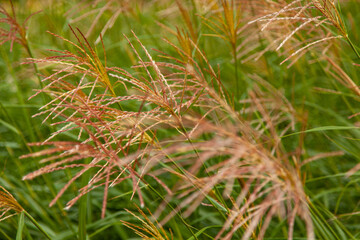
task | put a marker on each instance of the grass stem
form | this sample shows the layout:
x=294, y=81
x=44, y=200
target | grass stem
x=352, y=46
x=37, y=225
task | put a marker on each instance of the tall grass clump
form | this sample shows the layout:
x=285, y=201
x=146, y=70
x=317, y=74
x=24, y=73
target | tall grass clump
x=224, y=119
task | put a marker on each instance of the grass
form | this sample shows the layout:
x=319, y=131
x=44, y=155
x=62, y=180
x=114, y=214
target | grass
x=170, y=119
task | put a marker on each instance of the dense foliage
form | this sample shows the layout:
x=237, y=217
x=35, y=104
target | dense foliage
x=169, y=119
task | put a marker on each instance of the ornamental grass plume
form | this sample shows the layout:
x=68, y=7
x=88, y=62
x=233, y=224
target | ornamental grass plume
x=332, y=15
x=122, y=143
x=270, y=179
x=12, y=30
x=99, y=10
x=150, y=229
x=8, y=204
x=296, y=28
x=92, y=107
x=224, y=155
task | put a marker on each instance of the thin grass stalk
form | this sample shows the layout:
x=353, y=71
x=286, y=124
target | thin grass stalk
x=37, y=225
x=35, y=66
x=5, y=235
x=352, y=45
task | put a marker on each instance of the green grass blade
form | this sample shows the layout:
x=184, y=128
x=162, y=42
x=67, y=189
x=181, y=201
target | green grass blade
x=198, y=233
x=37, y=225
x=20, y=226
x=7, y=237
x=83, y=207
x=320, y=129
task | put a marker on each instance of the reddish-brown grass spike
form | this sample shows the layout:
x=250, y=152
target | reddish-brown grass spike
x=91, y=50
x=76, y=36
